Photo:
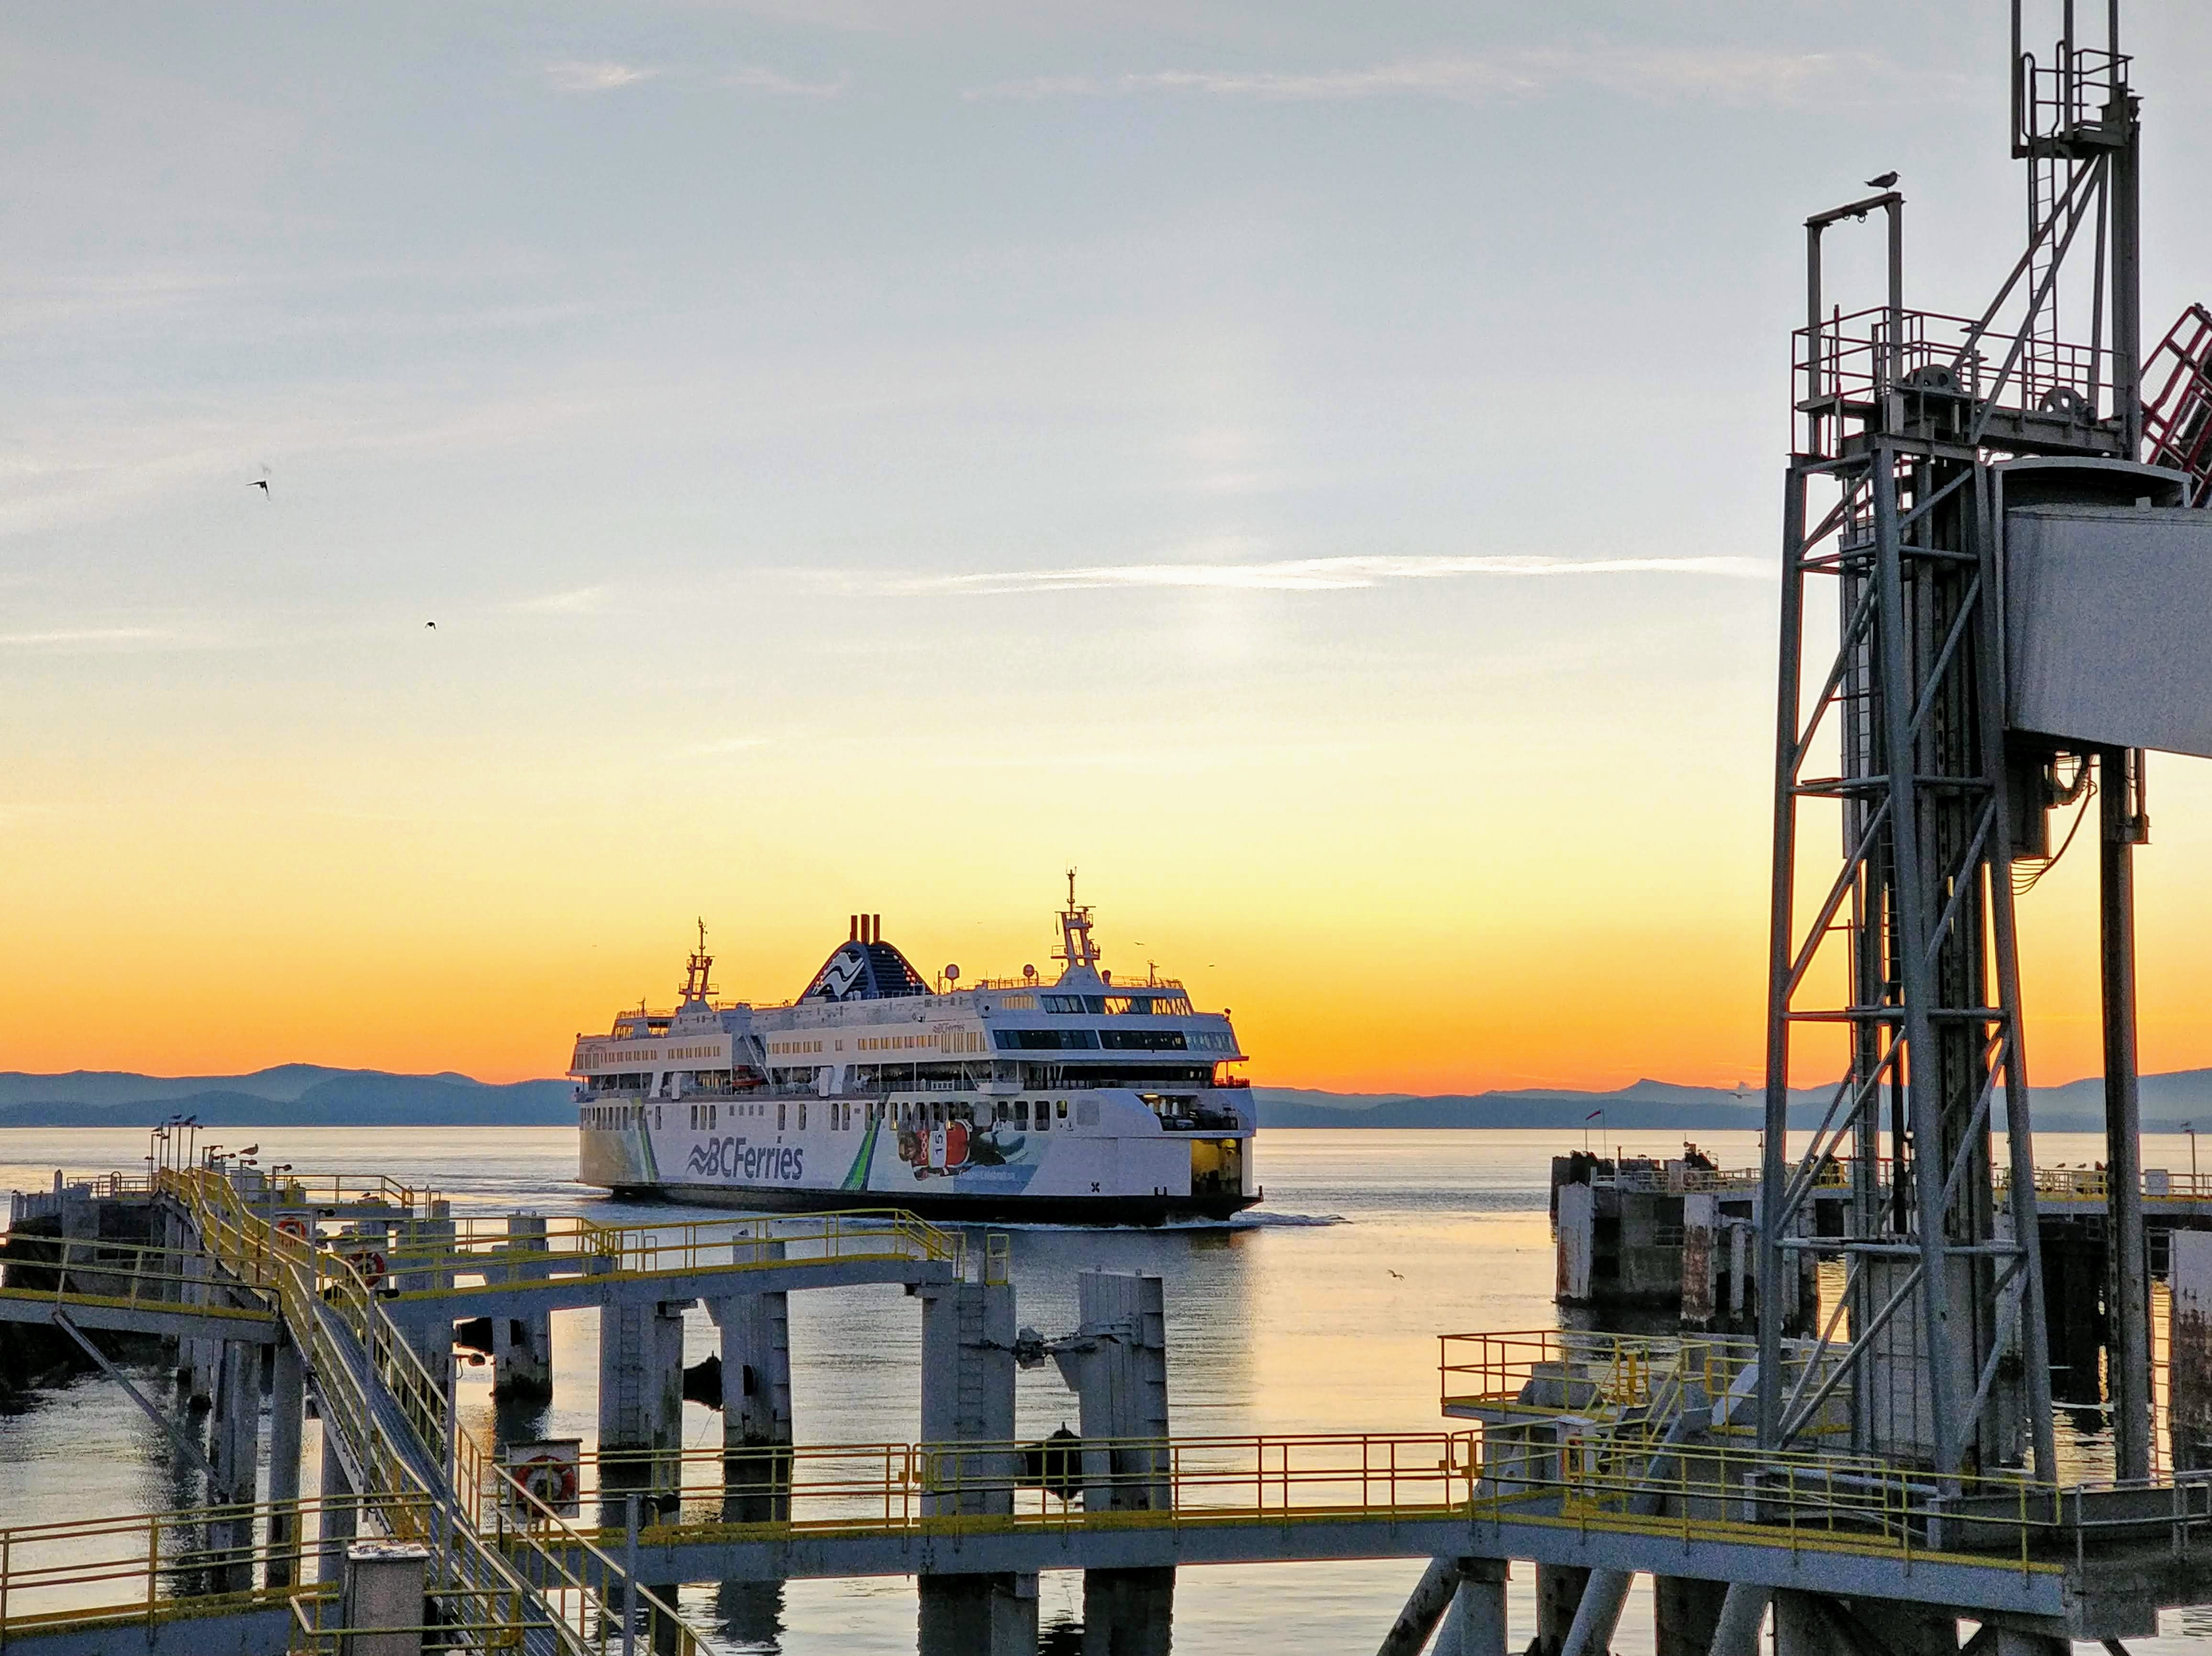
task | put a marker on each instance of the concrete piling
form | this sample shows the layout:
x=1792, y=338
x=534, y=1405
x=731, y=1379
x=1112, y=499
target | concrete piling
x=968, y=1397
x=1800, y=1628
x=1685, y=1613
x=976, y=1615
x=1128, y=1612
x=382, y=1605
x=1117, y=1364
x=234, y=1436
x=968, y=1394
x=340, y=1514
x=1559, y=1596
x=1475, y=1623
x=641, y=1403
x=287, y=1404
x=522, y=1347
x=1424, y=1609
x=2189, y=1391
x=757, y=1420
x=1743, y=1613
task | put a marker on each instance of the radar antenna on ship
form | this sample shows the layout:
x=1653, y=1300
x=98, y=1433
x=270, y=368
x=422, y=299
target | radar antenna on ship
x=695, y=985
x=1076, y=948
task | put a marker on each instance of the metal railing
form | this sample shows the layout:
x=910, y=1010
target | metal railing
x=1849, y=359
x=1543, y=1373
x=540, y=1574
x=149, y=1568
x=898, y=1488
x=572, y=1245
x=75, y=1270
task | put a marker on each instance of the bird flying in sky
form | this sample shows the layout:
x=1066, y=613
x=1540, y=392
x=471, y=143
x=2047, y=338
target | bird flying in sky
x=261, y=484
x=433, y=625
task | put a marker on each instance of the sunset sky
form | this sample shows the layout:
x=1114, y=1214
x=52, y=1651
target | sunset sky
x=1315, y=469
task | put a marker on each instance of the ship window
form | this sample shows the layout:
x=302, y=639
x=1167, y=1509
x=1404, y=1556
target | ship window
x=714, y=1112
x=1044, y=1117
x=1062, y=1110
x=802, y=1117
x=779, y=1109
x=1021, y=1113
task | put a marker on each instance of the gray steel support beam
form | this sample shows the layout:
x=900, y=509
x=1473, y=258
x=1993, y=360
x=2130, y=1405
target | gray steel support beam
x=2127, y=282
x=1782, y=922
x=287, y=1407
x=2130, y=1272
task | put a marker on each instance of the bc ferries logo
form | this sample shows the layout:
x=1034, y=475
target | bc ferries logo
x=844, y=972
x=733, y=1158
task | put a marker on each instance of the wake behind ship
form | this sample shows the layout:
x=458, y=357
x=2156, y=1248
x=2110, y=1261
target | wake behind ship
x=1080, y=1101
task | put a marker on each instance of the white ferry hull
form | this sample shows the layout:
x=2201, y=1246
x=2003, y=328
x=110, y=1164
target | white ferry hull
x=902, y=1154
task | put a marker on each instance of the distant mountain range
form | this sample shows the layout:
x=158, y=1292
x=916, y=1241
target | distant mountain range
x=289, y=1095
x=298, y=1094
x=2077, y=1106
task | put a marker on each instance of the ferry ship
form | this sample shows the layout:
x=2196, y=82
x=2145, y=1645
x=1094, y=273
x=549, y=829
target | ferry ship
x=1082, y=1100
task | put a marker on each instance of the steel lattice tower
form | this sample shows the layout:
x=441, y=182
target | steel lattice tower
x=1913, y=428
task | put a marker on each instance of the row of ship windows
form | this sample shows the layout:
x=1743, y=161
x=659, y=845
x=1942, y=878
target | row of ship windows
x=963, y=1040
x=1114, y=1040
x=950, y=1040
x=1170, y=1005
x=844, y=1117
x=597, y=1058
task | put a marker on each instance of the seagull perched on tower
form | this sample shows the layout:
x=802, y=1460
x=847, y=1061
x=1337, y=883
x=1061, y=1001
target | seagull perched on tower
x=1882, y=181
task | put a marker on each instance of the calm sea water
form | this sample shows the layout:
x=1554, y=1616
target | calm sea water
x=1319, y=1313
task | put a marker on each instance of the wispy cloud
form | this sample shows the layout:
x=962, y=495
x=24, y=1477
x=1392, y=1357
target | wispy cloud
x=577, y=601
x=755, y=78
x=573, y=76
x=720, y=745
x=1312, y=574
x=68, y=637
x=1735, y=74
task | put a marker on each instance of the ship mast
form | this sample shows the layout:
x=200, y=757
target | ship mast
x=695, y=985
x=1076, y=948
